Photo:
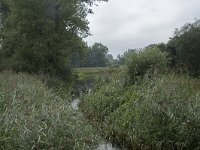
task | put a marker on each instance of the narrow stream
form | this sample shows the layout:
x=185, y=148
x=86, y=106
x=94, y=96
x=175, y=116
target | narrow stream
x=74, y=105
x=104, y=145
x=108, y=146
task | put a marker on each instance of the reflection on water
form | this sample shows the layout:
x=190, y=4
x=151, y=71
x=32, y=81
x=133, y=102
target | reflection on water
x=108, y=146
x=83, y=85
x=74, y=104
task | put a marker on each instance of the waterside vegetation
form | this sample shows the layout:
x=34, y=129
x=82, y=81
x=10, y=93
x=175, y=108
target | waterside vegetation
x=147, y=98
x=34, y=116
x=156, y=105
x=158, y=113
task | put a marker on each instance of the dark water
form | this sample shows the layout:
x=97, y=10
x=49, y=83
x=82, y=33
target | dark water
x=86, y=86
x=82, y=85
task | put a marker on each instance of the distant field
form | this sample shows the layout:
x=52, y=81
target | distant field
x=83, y=73
x=94, y=69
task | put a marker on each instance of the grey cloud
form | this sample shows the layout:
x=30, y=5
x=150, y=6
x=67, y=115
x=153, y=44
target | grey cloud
x=121, y=25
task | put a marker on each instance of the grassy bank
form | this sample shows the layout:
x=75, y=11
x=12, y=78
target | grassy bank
x=158, y=113
x=33, y=116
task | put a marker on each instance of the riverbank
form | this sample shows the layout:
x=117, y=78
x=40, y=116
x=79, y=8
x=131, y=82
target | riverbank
x=34, y=116
x=162, y=112
x=159, y=112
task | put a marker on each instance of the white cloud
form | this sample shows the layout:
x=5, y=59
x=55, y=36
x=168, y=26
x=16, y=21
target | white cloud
x=121, y=25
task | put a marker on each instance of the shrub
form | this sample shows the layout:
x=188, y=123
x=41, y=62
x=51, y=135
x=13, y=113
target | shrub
x=147, y=60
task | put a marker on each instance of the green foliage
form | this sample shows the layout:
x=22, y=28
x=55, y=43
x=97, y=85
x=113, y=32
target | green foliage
x=97, y=56
x=41, y=35
x=184, y=48
x=33, y=116
x=159, y=113
x=120, y=60
x=150, y=59
x=110, y=60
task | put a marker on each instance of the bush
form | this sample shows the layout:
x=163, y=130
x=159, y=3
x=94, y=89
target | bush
x=147, y=60
x=158, y=113
x=33, y=116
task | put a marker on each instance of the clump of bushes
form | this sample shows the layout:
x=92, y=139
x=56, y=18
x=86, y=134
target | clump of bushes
x=158, y=113
x=183, y=48
x=33, y=116
x=148, y=60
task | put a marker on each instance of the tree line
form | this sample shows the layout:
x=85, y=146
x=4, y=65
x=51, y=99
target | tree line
x=94, y=56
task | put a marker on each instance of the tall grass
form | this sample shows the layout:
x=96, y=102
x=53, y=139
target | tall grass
x=162, y=112
x=32, y=116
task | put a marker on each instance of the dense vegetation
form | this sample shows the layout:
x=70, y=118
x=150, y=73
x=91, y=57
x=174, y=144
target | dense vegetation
x=184, y=48
x=157, y=104
x=151, y=102
x=148, y=60
x=161, y=112
x=34, y=116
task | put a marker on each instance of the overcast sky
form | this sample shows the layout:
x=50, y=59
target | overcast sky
x=126, y=24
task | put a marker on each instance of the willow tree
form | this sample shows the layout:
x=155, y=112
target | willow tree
x=40, y=35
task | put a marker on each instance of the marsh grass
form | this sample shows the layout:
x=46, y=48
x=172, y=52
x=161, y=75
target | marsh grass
x=161, y=112
x=32, y=116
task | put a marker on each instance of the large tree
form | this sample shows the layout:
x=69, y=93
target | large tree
x=97, y=55
x=40, y=35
